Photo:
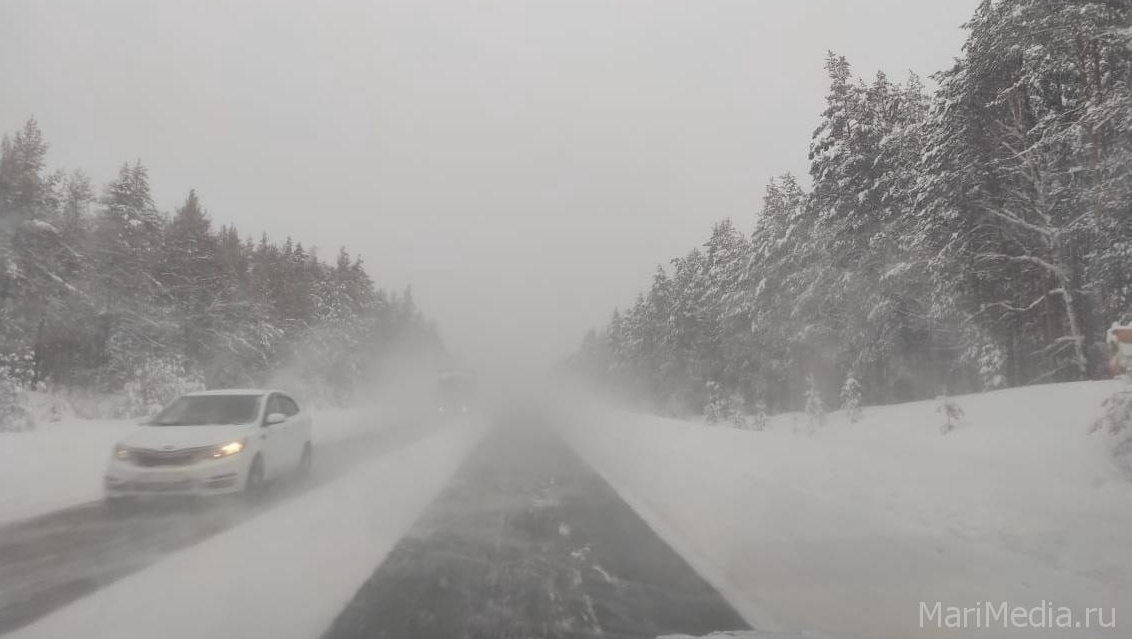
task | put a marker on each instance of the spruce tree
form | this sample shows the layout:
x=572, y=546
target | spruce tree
x=851, y=398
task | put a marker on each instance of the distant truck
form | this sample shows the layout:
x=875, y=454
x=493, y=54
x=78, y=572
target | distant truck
x=455, y=391
x=1119, y=349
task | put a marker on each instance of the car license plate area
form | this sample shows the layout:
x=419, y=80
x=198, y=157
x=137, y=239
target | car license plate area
x=161, y=485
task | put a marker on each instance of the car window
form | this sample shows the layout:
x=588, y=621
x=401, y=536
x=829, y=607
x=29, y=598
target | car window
x=287, y=406
x=273, y=406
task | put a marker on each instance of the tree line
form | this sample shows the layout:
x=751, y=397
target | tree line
x=101, y=290
x=974, y=237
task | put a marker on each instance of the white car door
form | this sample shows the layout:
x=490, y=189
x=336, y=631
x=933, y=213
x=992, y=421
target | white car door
x=298, y=426
x=278, y=449
x=302, y=428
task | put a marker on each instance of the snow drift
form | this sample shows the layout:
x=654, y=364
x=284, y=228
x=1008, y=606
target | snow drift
x=847, y=530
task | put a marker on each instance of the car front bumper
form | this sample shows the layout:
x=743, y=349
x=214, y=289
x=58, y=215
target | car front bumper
x=211, y=477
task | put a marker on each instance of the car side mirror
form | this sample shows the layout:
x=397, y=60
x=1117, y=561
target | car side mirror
x=275, y=418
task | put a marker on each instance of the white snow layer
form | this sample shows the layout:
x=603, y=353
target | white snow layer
x=847, y=530
x=285, y=573
x=55, y=466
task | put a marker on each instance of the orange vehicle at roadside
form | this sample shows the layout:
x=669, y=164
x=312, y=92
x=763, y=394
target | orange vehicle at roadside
x=1119, y=350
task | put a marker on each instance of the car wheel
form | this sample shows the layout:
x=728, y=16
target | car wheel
x=253, y=486
x=305, y=462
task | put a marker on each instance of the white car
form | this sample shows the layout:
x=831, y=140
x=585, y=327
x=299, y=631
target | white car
x=210, y=443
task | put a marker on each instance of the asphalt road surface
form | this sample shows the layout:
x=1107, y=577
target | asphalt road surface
x=528, y=541
x=52, y=560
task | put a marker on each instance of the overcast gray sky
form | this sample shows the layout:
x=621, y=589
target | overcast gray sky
x=524, y=164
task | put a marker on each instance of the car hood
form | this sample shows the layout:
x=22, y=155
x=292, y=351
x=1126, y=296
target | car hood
x=178, y=437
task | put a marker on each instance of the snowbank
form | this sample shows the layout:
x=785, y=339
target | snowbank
x=285, y=573
x=56, y=465
x=60, y=464
x=847, y=530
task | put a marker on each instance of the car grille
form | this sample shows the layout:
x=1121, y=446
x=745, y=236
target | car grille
x=182, y=457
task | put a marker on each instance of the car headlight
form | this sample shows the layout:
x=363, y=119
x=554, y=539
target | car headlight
x=121, y=452
x=229, y=449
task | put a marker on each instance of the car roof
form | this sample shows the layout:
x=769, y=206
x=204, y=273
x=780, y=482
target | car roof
x=232, y=391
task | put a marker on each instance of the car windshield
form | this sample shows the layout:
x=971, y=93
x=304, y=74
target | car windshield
x=208, y=409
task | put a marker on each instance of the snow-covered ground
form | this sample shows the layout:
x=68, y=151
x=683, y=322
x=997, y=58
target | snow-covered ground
x=286, y=572
x=847, y=530
x=60, y=464
x=57, y=465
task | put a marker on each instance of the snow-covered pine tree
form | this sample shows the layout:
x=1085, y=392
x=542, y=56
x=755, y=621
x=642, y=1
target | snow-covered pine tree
x=864, y=300
x=815, y=407
x=25, y=191
x=716, y=409
x=32, y=254
x=14, y=416
x=108, y=299
x=126, y=244
x=759, y=418
x=991, y=218
x=1020, y=174
x=188, y=273
x=738, y=418
x=851, y=398
x=17, y=376
x=782, y=264
x=725, y=258
x=951, y=411
x=1117, y=423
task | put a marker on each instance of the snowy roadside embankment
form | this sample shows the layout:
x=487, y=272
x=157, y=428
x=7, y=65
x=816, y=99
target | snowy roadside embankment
x=846, y=531
x=60, y=464
x=284, y=573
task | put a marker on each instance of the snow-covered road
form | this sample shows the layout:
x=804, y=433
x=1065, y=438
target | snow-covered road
x=524, y=539
x=528, y=541
x=48, y=561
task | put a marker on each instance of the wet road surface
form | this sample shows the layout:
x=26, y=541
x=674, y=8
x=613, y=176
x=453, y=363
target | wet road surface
x=528, y=541
x=49, y=561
